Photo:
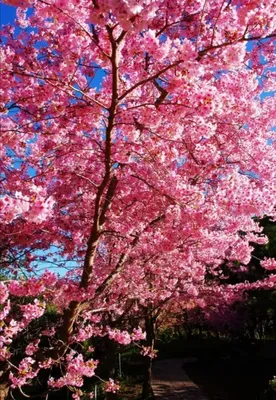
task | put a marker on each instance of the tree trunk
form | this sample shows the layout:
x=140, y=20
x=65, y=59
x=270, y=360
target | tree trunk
x=109, y=364
x=4, y=380
x=150, y=331
x=179, y=333
x=4, y=391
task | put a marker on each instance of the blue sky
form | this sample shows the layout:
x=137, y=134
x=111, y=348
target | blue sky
x=7, y=14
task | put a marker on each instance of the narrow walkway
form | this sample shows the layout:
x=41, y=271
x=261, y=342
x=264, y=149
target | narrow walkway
x=170, y=381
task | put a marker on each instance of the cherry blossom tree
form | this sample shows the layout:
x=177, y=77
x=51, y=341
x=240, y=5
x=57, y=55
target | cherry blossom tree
x=136, y=143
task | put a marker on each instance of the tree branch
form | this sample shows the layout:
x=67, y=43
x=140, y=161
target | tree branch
x=163, y=94
x=202, y=53
x=150, y=78
x=124, y=256
x=108, y=198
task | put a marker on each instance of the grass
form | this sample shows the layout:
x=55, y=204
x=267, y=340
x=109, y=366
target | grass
x=130, y=389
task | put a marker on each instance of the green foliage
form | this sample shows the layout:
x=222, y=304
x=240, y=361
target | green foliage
x=51, y=309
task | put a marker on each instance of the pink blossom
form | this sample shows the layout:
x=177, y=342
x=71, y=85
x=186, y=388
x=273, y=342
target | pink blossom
x=75, y=370
x=4, y=294
x=192, y=291
x=112, y=386
x=46, y=364
x=148, y=351
x=138, y=334
x=122, y=337
x=49, y=332
x=32, y=311
x=32, y=347
x=269, y=263
x=25, y=372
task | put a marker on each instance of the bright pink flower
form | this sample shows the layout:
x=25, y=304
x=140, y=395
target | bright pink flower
x=32, y=347
x=112, y=386
x=269, y=263
x=4, y=294
x=148, y=351
x=32, y=311
x=138, y=334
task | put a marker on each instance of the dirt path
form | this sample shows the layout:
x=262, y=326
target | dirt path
x=170, y=381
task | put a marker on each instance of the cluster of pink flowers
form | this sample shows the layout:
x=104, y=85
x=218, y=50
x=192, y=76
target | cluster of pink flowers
x=85, y=333
x=34, y=286
x=31, y=287
x=13, y=206
x=138, y=334
x=11, y=329
x=125, y=338
x=46, y=364
x=49, y=332
x=32, y=347
x=25, y=372
x=148, y=351
x=32, y=311
x=4, y=293
x=112, y=386
x=5, y=311
x=122, y=337
x=41, y=209
x=4, y=351
x=269, y=264
x=77, y=395
x=76, y=368
x=34, y=208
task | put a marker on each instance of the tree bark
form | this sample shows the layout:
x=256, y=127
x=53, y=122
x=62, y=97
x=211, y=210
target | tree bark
x=4, y=380
x=102, y=203
x=150, y=340
x=4, y=391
